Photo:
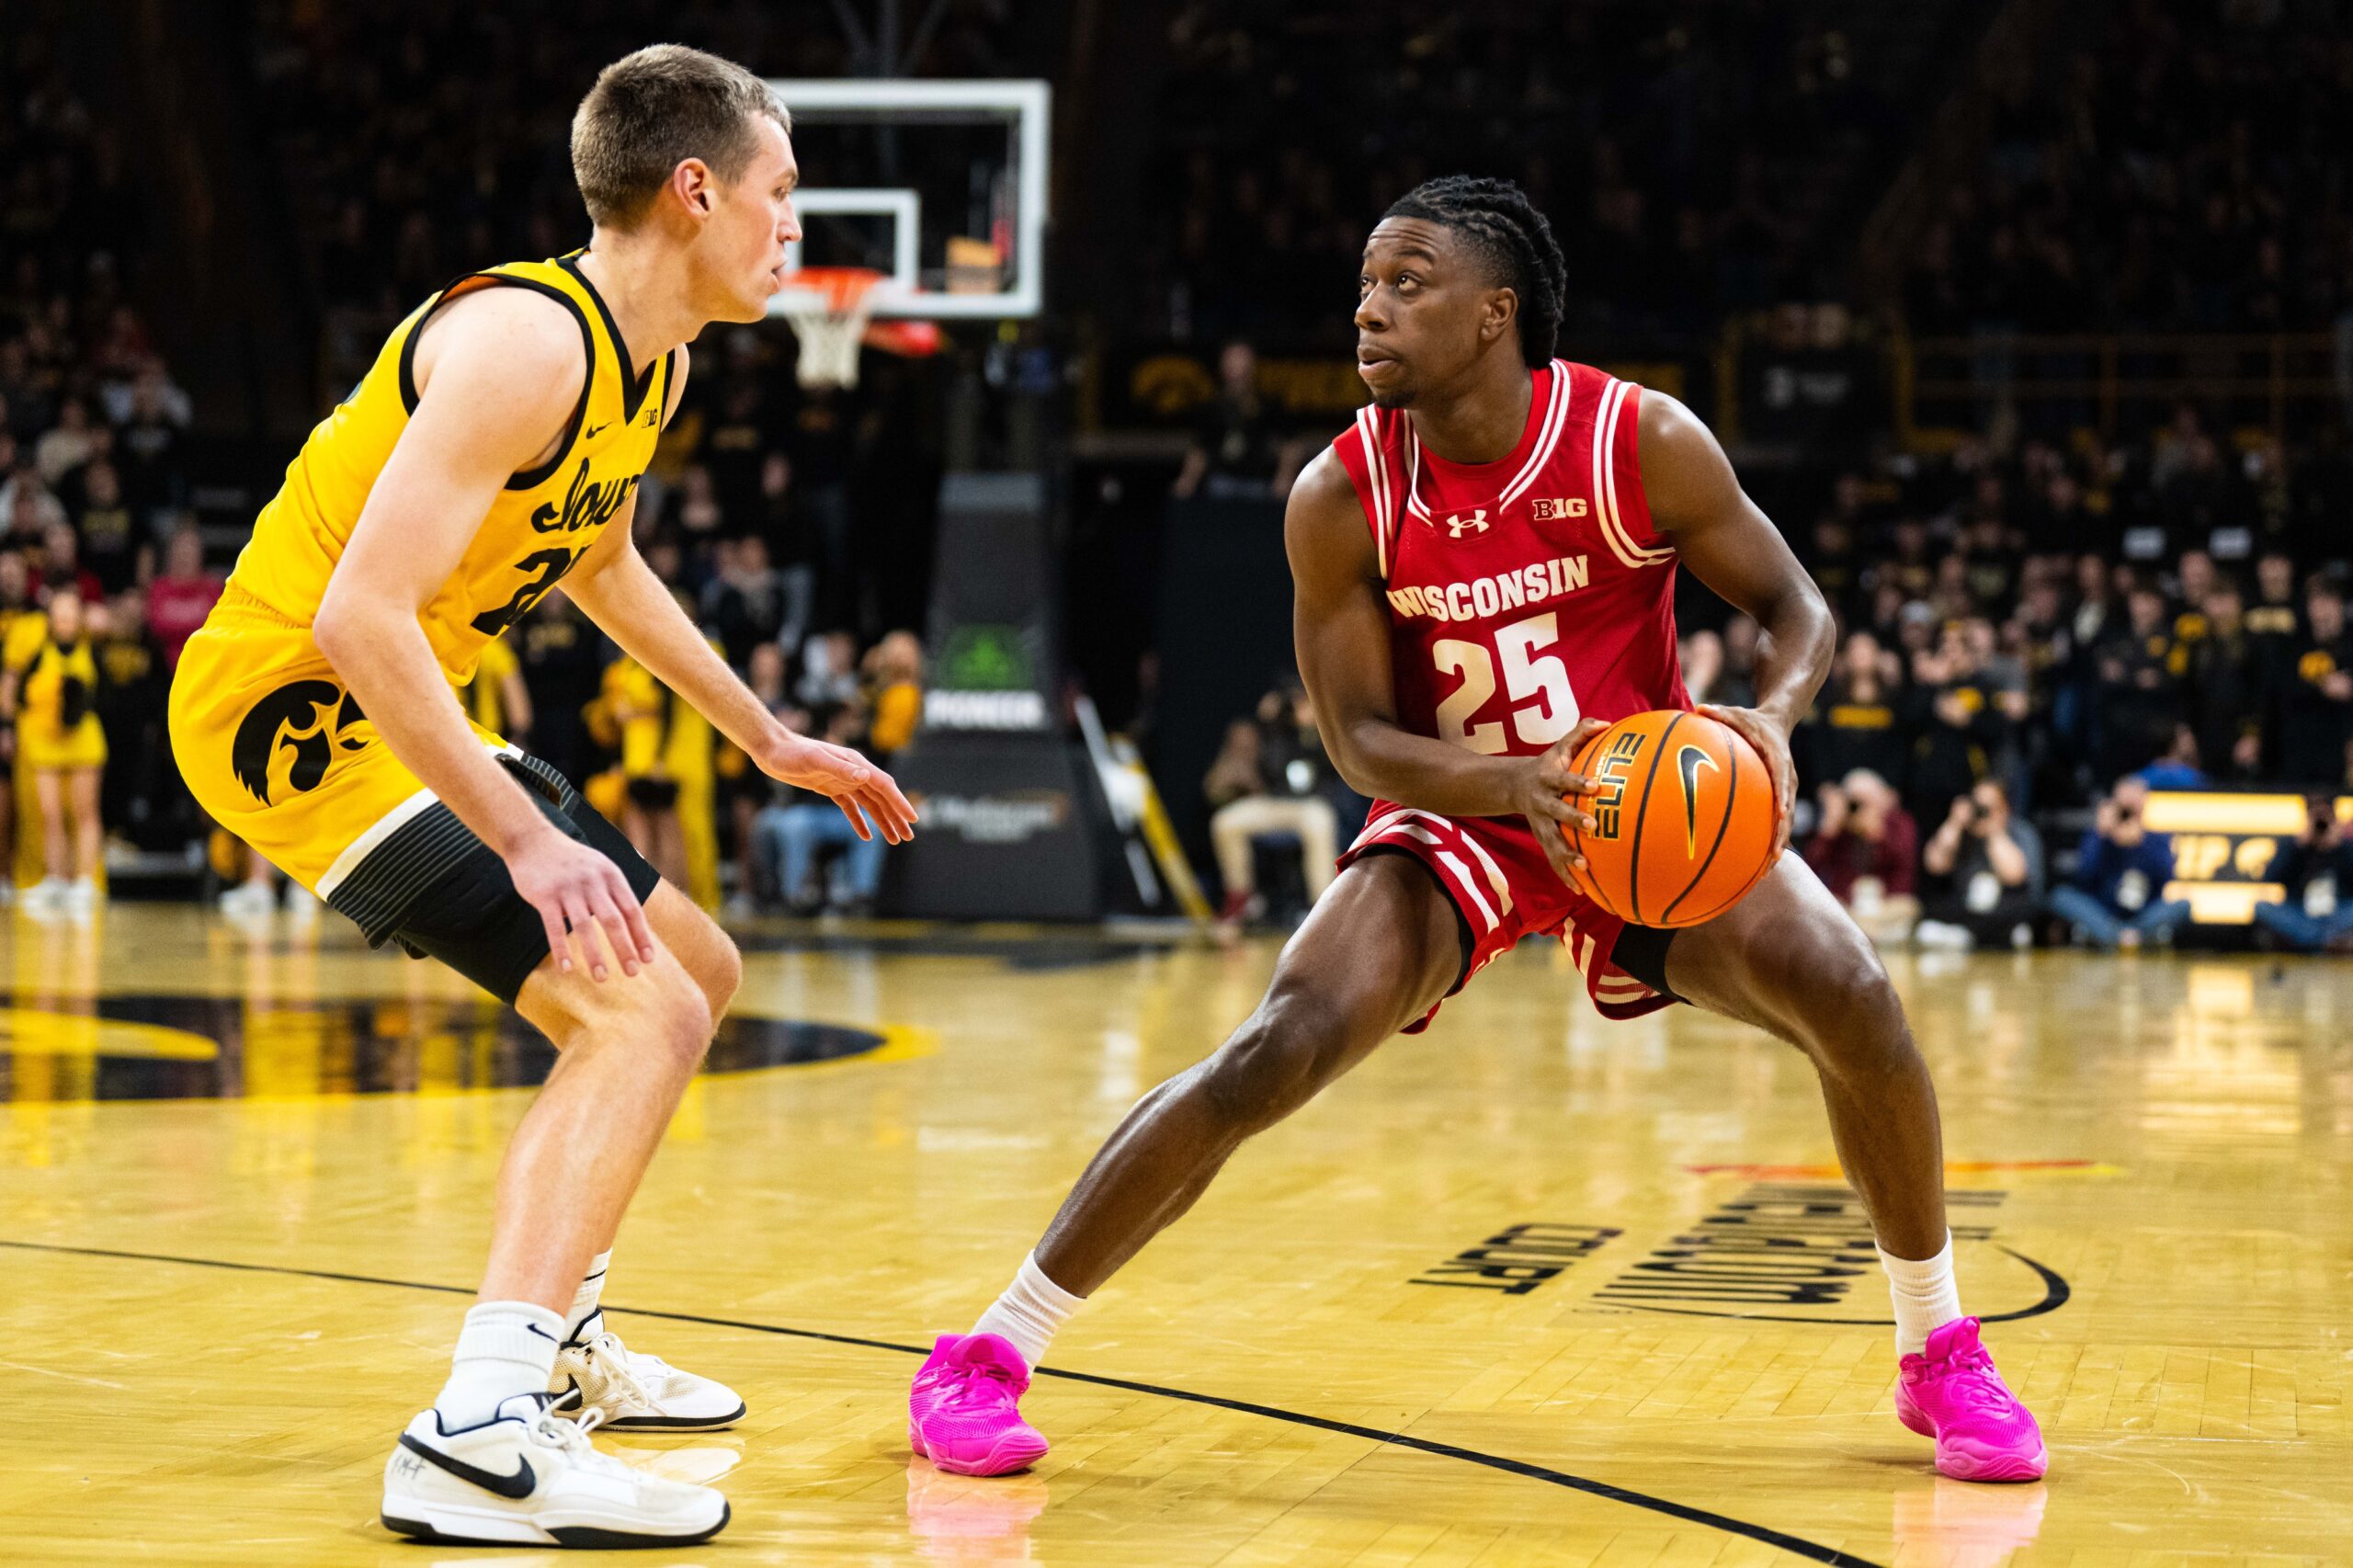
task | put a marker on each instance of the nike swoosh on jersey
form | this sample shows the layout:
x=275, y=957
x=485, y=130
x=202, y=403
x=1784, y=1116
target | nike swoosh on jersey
x=593, y=431
x=518, y=1485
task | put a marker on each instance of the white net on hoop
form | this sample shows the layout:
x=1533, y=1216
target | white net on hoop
x=829, y=312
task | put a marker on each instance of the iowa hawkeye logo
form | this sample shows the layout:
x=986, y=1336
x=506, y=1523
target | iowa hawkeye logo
x=306, y=719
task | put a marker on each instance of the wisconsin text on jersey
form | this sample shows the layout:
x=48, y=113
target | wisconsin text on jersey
x=1483, y=596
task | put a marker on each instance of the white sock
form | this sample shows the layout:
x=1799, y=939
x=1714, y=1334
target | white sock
x=1030, y=1310
x=505, y=1349
x=584, y=1300
x=1926, y=1296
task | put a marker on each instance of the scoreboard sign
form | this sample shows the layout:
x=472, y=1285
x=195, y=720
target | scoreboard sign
x=2228, y=850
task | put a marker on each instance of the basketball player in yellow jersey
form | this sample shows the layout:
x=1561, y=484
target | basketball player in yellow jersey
x=492, y=452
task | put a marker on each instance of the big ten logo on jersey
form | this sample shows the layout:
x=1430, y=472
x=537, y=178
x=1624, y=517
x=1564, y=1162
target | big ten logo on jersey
x=586, y=504
x=1552, y=508
x=1610, y=781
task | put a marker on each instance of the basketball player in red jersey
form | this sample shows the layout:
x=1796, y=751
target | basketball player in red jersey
x=1484, y=568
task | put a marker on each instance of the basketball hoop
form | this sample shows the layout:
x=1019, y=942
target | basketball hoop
x=829, y=307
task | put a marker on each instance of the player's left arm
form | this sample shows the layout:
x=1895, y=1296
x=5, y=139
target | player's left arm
x=615, y=588
x=1697, y=502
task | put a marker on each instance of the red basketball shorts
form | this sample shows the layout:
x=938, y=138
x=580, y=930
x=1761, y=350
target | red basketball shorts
x=1503, y=889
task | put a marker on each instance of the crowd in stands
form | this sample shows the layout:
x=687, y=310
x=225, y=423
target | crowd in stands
x=2055, y=632
x=101, y=577
x=2180, y=167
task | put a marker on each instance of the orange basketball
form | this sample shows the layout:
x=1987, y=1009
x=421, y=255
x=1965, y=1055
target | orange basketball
x=1684, y=818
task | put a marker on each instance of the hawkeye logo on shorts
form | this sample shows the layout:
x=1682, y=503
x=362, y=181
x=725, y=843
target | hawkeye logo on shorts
x=307, y=718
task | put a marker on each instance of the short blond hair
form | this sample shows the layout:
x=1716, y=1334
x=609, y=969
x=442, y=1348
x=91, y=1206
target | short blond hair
x=650, y=111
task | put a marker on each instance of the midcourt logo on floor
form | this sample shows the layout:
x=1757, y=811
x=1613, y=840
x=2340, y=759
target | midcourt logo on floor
x=1775, y=1246
x=1789, y=1252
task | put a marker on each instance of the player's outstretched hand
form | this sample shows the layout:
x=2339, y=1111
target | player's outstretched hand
x=1545, y=799
x=575, y=887
x=862, y=790
x=1772, y=742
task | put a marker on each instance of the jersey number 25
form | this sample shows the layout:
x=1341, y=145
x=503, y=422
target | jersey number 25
x=1528, y=673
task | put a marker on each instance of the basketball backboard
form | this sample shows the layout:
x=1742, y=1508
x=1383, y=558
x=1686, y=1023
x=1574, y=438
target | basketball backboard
x=940, y=185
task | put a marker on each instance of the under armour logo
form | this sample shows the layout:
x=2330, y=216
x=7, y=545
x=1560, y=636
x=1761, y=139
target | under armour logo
x=1458, y=525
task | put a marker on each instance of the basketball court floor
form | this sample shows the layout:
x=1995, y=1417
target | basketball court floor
x=1529, y=1288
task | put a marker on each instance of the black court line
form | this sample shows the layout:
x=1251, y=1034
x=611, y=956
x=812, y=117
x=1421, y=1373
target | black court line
x=1796, y=1545
x=2056, y=1293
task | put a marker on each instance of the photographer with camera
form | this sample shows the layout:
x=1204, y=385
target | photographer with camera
x=2317, y=915
x=1865, y=852
x=1984, y=870
x=2120, y=872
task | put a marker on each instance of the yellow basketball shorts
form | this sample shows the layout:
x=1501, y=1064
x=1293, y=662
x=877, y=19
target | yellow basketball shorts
x=274, y=746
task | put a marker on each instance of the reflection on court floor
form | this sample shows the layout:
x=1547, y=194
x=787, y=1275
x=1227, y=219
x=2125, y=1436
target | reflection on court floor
x=1530, y=1289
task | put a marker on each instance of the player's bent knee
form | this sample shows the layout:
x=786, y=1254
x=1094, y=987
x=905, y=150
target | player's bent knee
x=659, y=1014
x=721, y=975
x=1850, y=1016
x=1276, y=1062
x=709, y=954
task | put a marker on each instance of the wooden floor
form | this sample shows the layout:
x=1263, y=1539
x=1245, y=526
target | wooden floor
x=1532, y=1288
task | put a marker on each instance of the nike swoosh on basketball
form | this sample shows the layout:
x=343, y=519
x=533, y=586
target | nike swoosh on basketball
x=518, y=1485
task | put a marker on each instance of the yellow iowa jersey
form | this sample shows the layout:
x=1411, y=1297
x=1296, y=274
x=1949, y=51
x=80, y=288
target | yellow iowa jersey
x=266, y=733
x=540, y=524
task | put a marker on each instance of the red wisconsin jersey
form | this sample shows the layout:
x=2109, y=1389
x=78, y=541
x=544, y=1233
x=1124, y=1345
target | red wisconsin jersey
x=1525, y=594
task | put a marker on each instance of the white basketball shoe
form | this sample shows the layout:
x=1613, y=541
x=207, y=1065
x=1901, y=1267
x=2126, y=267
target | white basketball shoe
x=526, y=1477
x=634, y=1391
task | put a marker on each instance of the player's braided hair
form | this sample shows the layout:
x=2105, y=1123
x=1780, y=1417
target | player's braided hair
x=1498, y=218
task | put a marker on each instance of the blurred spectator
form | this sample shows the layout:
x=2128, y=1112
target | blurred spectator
x=1857, y=714
x=148, y=449
x=114, y=548
x=2122, y=869
x=743, y=604
x=2316, y=707
x=2224, y=686
x=132, y=689
x=640, y=709
x=1239, y=448
x=793, y=833
x=2137, y=699
x=61, y=564
x=562, y=670
x=28, y=508
x=49, y=689
x=749, y=789
x=1964, y=725
x=893, y=693
x=497, y=698
x=2318, y=872
x=182, y=595
x=66, y=446
x=1866, y=850
x=1984, y=870
x=1269, y=779
x=828, y=672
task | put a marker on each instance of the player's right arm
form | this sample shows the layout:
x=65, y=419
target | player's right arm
x=1340, y=624
x=499, y=374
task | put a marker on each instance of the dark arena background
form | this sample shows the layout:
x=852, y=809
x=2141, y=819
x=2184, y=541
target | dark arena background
x=2028, y=323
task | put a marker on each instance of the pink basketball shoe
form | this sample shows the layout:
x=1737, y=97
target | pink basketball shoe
x=1954, y=1395
x=963, y=1413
